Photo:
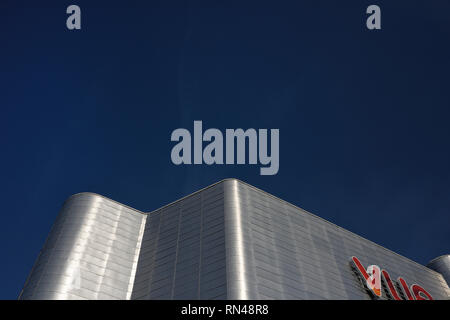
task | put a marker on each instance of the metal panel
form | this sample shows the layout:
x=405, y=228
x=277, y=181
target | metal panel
x=278, y=251
x=229, y=240
x=442, y=265
x=90, y=253
x=183, y=250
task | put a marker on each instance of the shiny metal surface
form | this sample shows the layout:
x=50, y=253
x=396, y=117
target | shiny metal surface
x=227, y=241
x=91, y=252
x=442, y=265
x=280, y=251
x=183, y=250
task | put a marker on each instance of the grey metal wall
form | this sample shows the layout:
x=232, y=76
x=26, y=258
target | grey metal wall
x=183, y=250
x=278, y=251
x=442, y=265
x=227, y=241
x=91, y=252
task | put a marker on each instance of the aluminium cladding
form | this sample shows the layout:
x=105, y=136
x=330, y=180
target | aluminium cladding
x=229, y=240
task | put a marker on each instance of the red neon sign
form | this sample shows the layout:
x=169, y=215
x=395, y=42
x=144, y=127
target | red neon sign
x=372, y=280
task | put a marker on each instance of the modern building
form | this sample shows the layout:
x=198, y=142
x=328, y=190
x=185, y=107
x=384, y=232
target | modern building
x=227, y=241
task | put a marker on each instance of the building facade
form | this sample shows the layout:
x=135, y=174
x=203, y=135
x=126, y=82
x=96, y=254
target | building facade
x=227, y=241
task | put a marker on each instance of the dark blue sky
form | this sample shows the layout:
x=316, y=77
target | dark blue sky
x=363, y=115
